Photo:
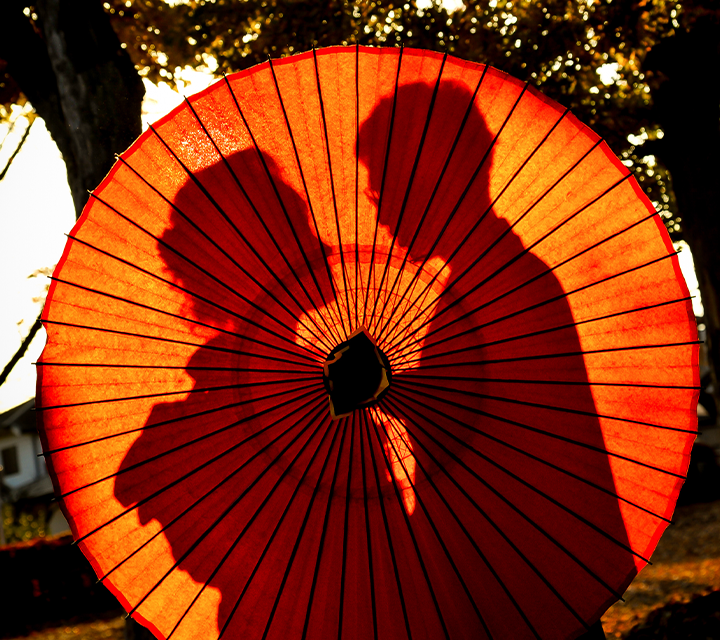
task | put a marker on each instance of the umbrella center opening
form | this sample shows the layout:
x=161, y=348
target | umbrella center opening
x=356, y=374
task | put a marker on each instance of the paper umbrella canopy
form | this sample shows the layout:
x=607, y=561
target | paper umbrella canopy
x=368, y=343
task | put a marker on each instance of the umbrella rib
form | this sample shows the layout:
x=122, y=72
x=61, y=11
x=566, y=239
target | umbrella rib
x=247, y=526
x=187, y=475
x=569, y=473
x=439, y=180
x=169, y=393
x=203, y=345
x=397, y=413
x=532, y=334
x=375, y=320
x=455, y=209
x=368, y=536
x=499, y=530
x=537, y=305
x=332, y=188
x=232, y=505
x=277, y=526
x=250, y=522
x=317, y=408
x=249, y=244
x=343, y=566
x=310, y=208
x=183, y=256
x=371, y=268
x=525, y=250
x=261, y=156
x=457, y=520
x=358, y=271
x=381, y=502
x=406, y=518
x=205, y=436
x=550, y=408
x=341, y=426
x=165, y=422
x=197, y=295
x=169, y=367
x=490, y=207
x=187, y=319
x=410, y=373
x=530, y=485
x=510, y=503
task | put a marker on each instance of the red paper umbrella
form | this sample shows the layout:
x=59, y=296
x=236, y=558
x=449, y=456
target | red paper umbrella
x=368, y=343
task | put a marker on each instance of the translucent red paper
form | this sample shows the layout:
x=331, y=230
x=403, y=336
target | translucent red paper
x=527, y=456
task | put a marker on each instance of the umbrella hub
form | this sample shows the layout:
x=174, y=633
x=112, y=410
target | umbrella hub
x=356, y=374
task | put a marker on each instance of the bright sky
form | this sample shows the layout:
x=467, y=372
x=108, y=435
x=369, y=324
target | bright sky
x=36, y=210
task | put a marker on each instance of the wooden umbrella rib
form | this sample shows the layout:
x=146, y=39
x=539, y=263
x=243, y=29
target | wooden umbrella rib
x=536, y=405
x=537, y=305
x=508, y=502
x=189, y=443
x=317, y=408
x=358, y=272
x=250, y=245
x=368, y=536
x=234, y=503
x=500, y=531
x=174, y=482
x=343, y=566
x=532, y=334
x=406, y=518
x=331, y=329
x=183, y=255
x=344, y=427
x=399, y=415
x=162, y=423
x=328, y=305
x=391, y=549
x=197, y=345
x=278, y=525
x=184, y=318
x=371, y=270
x=424, y=215
x=340, y=426
x=217, y=305
x=406, y=197
x=565, y=471
x=332, y=188
x=455, y=209
x=411, y=373
x=247, y=526
x=526, y=250
x=530, y=485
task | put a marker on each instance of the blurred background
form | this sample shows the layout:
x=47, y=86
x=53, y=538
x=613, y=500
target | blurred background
x=81, y=79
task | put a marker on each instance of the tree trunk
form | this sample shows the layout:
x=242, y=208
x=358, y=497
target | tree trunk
x=686, y=104
x=70, y=65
